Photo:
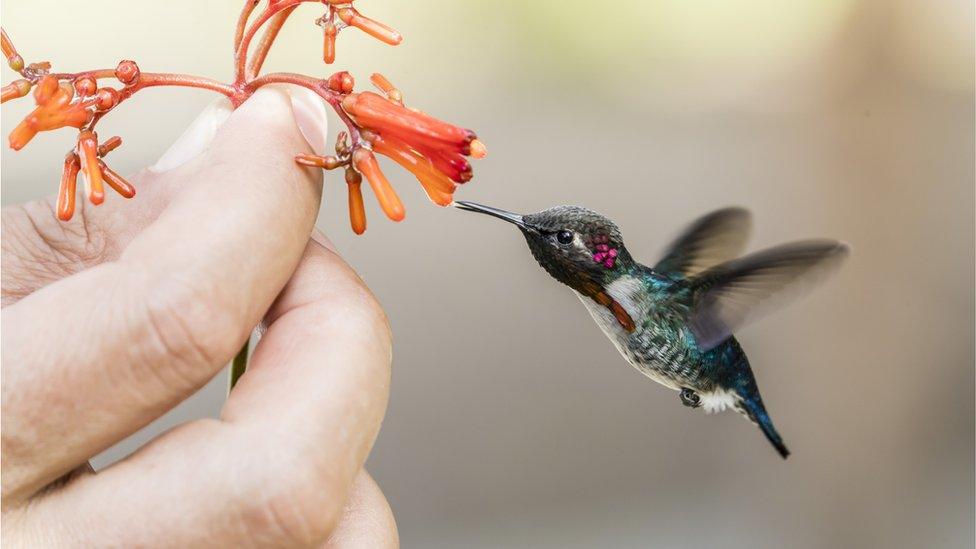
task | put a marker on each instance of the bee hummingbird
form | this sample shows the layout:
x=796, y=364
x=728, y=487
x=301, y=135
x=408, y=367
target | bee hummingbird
x=674, y=321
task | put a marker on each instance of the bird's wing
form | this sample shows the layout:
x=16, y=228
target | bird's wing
x=731, y=294
x=710, y=240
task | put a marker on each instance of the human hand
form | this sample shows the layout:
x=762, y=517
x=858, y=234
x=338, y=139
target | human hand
x=113, y=318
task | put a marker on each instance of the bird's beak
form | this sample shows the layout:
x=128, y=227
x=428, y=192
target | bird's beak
x=494, y=212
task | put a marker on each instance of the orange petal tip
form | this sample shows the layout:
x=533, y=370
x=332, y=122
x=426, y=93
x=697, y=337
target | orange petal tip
x=478, y=149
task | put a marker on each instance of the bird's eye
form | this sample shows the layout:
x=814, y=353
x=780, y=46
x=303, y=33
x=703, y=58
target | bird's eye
x=564, y=237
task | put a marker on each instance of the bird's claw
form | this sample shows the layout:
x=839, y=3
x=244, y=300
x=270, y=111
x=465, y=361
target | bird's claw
x=690, y=398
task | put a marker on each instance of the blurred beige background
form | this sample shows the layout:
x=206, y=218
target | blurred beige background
x=513, y=422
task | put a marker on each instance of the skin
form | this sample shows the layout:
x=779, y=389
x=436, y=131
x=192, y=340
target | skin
x=113, y=318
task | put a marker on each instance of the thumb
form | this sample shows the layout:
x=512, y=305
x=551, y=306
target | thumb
x=310, y=116
x=258, y=129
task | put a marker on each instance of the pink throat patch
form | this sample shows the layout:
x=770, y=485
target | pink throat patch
x=605, y=255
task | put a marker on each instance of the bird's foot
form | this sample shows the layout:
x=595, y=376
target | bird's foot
x=690, y=398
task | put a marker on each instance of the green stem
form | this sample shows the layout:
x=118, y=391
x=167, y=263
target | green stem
x=239, y=365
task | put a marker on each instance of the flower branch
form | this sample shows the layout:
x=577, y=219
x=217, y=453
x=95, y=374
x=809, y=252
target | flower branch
x=434, y=151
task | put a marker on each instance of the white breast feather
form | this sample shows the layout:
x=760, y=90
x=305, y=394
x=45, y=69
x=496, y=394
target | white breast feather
x=623, y=291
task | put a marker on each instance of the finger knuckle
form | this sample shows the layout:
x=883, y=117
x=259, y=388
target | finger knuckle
x=358, y=310
x=187, y=332
x=38, y=242
x=301, y=510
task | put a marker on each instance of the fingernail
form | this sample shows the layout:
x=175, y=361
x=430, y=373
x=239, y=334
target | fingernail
x=197, y=137
x=311, y=116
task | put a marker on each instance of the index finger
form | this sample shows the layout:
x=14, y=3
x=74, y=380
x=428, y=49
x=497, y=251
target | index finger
x=126, y=340
x=278, y=467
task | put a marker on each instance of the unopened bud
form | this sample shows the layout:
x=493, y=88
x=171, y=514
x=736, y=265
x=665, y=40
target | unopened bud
x=341, y=82
x=127, y=72
x=85, y=86
x=328, y=46
x=109, y=145
x=15, y=89
x=16, y=62
x=107, y=99
x=316, y=161
x=45, y=89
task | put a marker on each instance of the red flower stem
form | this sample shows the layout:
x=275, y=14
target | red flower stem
x=246, y=11
x=151, y=79
x=240, y=60
x=267, y=39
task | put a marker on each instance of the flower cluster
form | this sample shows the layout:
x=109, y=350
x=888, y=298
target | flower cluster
x=432, y=150
x=340, y=15
x=56, y=108
x=86, y=158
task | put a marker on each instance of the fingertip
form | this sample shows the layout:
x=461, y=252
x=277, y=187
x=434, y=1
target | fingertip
x=266, y=116
x=367, y=520
x=272, y=115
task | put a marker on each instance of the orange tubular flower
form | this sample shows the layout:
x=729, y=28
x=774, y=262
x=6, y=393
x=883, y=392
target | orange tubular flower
x=435, y=152
x=328, y=47
x=116, y=181
x=373, y=28
x=439, y=188
x=66, y=193
x=365, y=163
x=88, y=154
x=55, y=109
x=432, y=150
x=14, y=60
x=15, y=89
x=357, y=211
x=340, y=15
x=86, y=158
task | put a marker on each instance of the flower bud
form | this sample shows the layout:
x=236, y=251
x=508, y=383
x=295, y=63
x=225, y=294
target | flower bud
x=88, y=154
x=109, y=145
x=373, y=28
x=85, y=86
x=116, y=181
x=357, y=210
x=45, y=89
x=386, y=87
x=328, y=46
x=341, y=82
x=365, y=163
x=107, y=98
x=127, y=72
x=15, y=62
x=66, y=192
x=316, y=161
x=15, y=89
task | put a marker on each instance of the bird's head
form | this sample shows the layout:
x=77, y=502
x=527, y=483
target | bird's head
x=578, y=247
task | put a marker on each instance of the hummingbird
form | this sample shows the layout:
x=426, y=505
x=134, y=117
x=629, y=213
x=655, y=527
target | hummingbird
x=674, y=322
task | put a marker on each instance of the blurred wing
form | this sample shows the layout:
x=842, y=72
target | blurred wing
x=729, y=295
x=712, y=239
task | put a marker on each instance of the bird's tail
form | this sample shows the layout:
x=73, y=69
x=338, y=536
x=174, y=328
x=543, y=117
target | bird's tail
x=755, y=411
